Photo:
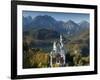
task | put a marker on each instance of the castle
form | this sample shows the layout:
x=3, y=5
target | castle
x=57, y=55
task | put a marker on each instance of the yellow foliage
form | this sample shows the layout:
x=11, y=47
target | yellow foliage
x=39, y=59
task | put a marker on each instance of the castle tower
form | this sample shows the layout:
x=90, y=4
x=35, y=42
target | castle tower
x=61, y=38
x=62, y=51
x=61, y=42
x=54, y=46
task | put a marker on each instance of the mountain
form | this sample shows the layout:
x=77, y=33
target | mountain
x=68, y=28
x=44, y=21
x=26, y=22
x=71, y=27
x=84, y=24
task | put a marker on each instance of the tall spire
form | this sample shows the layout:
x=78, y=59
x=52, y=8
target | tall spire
x=54, y=46
x=61, y=42
x=60, y=38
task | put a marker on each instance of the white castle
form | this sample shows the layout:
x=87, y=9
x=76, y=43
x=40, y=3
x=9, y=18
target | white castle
x=57, y=55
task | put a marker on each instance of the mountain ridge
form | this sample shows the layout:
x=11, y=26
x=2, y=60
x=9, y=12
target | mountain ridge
x=48, y=22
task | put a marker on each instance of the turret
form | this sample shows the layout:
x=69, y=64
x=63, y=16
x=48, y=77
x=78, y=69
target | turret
x=54, y=46
x=61, y=38
x=61, y=42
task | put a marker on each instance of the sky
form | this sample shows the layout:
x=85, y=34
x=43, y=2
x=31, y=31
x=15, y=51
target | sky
x=60, y=16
